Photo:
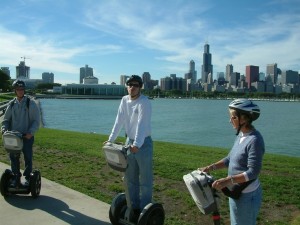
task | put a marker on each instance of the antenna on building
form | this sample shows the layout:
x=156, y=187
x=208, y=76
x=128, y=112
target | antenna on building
x=24, y=57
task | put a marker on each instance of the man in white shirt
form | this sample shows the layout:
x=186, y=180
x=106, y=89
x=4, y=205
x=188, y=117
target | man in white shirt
x=134, y=114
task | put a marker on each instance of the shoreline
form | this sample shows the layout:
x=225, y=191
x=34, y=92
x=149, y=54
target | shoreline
x=103, y=97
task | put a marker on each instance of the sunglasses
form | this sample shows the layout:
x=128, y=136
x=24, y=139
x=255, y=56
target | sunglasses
x=133, y=85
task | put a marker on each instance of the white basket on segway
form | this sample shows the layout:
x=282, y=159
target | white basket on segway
x=120, y=211
x=12, y=141
x=116, y=156
x=207, y=199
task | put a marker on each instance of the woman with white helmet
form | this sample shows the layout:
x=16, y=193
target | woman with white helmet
x=244, y=163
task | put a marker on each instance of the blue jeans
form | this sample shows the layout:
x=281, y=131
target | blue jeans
x=244, y=211
x=15, y=159
x=139, y=174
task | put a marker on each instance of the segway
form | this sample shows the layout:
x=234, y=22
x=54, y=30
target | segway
x=120, y=211
x=13, y=143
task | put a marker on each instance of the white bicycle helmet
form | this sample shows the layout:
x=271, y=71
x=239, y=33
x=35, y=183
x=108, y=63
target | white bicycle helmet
x=246, y=106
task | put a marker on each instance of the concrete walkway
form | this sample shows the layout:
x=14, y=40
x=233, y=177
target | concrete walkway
x=57, y=205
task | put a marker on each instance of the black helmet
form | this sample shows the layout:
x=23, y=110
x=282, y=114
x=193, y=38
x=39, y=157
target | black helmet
x=246, y=106
x=18, y=83
x=135, y=78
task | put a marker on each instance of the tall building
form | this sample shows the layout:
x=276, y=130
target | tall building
x=252, y=74
x=229, y=71
x=48, y=77
x=207, y=67
x=290, y=77
x=123, y=79
x=221, y=78
x=272, y=72
x=191, y=76
x=166, y=83
x=193, y=72
x=85, y=72
x=234, y=79
x=22, y=71
x=90, y=80
x=146, y=80
x=220, y=75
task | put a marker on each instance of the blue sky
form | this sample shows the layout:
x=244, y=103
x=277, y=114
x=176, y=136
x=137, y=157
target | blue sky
x=117, y=37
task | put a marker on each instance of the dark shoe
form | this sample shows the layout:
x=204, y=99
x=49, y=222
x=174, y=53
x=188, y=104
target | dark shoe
x=136, y=215
x=27, y=182
x=15, y=182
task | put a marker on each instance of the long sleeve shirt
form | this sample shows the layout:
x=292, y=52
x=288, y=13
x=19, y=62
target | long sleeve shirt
x=22, y=118
x=135, y=116
x=246, y=155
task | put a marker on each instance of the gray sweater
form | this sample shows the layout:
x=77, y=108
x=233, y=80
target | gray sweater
x=21, y=118
x=246, y=156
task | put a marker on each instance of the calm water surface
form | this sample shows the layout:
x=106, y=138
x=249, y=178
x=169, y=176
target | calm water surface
x=188, y=121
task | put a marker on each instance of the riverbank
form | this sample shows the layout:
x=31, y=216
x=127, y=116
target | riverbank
x=65, y=158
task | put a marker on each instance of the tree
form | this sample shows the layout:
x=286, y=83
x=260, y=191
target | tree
x=4, y=81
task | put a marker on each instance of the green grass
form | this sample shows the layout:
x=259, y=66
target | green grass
x=5, y=97
x=76, y=160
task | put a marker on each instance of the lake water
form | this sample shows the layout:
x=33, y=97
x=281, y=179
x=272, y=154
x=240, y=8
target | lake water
x=188, y=121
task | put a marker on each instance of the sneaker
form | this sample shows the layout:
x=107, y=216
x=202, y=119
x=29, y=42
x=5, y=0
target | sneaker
x=27, y=182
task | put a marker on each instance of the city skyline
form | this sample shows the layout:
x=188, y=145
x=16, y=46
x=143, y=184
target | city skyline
x=147, y=36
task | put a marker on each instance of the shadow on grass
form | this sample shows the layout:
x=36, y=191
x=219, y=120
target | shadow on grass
x=54, y=207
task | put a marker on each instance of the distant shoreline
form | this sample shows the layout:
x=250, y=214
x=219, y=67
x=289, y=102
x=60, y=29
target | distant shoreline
x=104, y=97
x=78, y=97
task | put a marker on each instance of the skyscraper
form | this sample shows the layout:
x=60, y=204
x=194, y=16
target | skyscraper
x=272, y=72
x=234, y=79
x=290, y=77
x=252, y=75
x=22, y=71
x=123, y=79
x=48, y=77
x=146, y=80
x=229, y=71
x=193, y=72
x=191, y=76
x=85, y=72
x=207, y=67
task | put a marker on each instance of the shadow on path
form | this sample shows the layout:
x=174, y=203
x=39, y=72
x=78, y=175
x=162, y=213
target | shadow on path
x=55, y=207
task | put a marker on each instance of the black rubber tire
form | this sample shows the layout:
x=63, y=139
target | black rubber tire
x=152, y=214
x=35, y=183
x=4, y=182
x=118, y=210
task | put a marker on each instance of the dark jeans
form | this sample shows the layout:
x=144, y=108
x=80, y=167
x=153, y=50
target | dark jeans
x=15, y=159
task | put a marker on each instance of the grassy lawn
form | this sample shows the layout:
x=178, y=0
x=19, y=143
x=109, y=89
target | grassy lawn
x=76, y=160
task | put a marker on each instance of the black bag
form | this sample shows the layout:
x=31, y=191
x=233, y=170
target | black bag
x=236, y=190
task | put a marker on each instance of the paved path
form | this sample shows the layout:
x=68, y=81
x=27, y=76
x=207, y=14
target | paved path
x=56, y=205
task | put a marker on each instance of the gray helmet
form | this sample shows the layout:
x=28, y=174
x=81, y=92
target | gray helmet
x=245, y=106
x=18, y=83
x=135, y=78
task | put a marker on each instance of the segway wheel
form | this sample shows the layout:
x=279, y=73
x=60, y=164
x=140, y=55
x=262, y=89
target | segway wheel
x=152, y=214
x=117, y=209
x=5, y=181
x=35, y=183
